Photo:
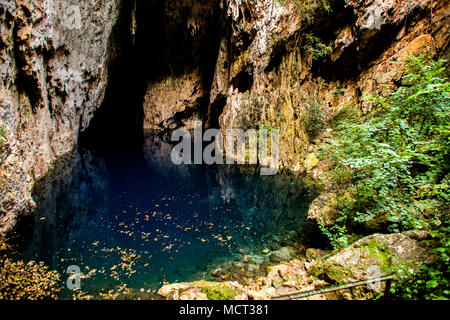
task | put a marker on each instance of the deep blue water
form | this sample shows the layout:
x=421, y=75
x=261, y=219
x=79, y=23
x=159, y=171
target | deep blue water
x=135, y=219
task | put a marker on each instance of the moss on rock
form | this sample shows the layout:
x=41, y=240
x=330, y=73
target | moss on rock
x=220, y=292
x=338, y=273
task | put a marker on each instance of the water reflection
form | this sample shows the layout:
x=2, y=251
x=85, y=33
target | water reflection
x=69, y=201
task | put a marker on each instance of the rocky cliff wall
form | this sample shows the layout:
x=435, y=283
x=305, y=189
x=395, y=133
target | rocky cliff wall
x=291, y=65
x=286, y=64
x=54, y=56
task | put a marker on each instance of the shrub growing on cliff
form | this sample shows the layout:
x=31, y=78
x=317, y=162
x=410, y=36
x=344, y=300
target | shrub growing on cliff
x=398, y=155
x=2, y=134
x=396, y=164
x=314, y=118
x=315, y=47
x=251, y=113
x=4, y=147
x=308, y=8
x=431, y=281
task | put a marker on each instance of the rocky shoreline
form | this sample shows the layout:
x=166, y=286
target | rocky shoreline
x=373, y=256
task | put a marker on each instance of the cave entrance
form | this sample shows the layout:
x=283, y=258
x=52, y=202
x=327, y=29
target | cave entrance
x=118, y=204
x=154, y=41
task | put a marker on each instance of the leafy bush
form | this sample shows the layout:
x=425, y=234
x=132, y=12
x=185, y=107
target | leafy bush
x=346, y=114
x=308, y=8
x=431, y=281
x=336, y=234
x=2, y=134
x=251, y=114
x=314, y=46
x=4, y=146
x=314, y=118
x=398, y=156
x=396, y=164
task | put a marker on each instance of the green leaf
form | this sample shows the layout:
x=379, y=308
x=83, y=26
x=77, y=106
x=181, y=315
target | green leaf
x=432, y=284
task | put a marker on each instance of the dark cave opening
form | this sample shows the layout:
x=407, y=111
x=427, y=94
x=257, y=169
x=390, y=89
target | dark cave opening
x=93, y=194
x=243, y=81
x=368, y=46
x=117, y=124
x=162, y=46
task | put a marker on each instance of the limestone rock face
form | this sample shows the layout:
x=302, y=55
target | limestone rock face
x=178, y=93
x=311, y=162
x=199, y=290
x=283, y=278
x=266, y=75
x=54, y=56
x=282, y=254
x=231, y=63
x=166, y=98
x=323, y=210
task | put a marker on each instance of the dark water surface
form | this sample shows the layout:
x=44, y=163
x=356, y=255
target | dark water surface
x=135, y=219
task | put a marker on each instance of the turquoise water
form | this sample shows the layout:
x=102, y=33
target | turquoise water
x=135, y=219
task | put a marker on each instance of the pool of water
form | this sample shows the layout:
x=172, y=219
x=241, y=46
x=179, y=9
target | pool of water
x=136, y=219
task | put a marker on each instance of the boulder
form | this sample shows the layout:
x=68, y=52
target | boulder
x=201, y=290
x=323, y=209
x=311, y=162
x=314, y=254
x=283, y=254
x=374, y=256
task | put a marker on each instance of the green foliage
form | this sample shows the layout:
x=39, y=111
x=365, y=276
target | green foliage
x=31, y=281
x=2, y=134
x=431, y=282
x=4, y=146
x=251, y=114
x=347, y=114
x=314, y=118
x=308, y=8
x=398, y=156
x=396, y=164
x=314, y=46
x=336, y=234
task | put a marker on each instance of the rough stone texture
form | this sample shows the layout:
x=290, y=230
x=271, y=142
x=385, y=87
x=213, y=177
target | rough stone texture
x=374, y=256
x=249, y=78
x=311, y=162
x=323, y=209
x=193, y=290
x=53, y=78
x=264, y=71
x=281, y=279
x=283, y=254
x=164, y=99
x=179, y=94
